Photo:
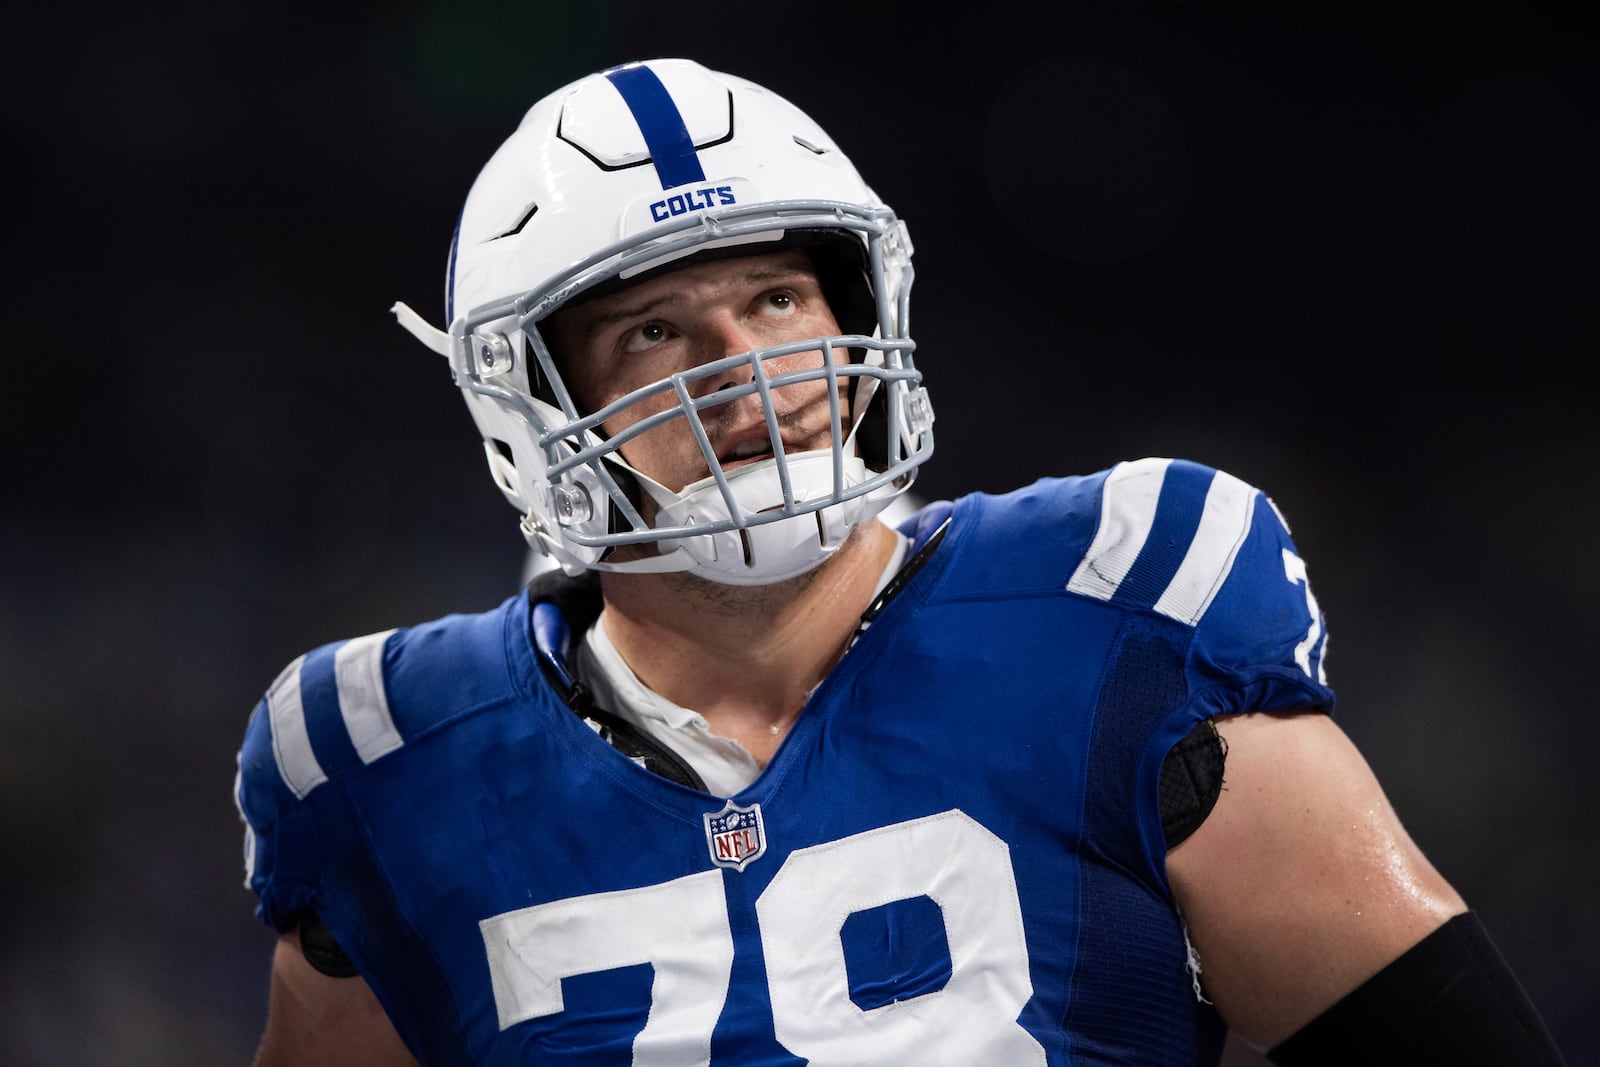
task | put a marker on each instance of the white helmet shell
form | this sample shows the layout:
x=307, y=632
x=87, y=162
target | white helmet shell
x=612, y=178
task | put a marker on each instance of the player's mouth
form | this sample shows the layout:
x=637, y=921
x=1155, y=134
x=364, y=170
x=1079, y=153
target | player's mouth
x=804, y=429
x=751, y=449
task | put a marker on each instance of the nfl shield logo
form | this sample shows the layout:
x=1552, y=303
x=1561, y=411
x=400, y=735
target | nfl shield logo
x=735, y=836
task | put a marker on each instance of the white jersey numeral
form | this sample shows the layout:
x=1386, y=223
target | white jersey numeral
x=1295, y=568
x=682, y=928
x=966, y=871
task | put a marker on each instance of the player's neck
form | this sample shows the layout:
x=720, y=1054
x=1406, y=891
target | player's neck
x=745, y=657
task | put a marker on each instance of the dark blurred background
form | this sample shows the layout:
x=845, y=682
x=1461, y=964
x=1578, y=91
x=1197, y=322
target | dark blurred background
x=1350, y=257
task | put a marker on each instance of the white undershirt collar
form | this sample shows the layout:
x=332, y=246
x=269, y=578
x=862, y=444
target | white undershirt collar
x=725, y=765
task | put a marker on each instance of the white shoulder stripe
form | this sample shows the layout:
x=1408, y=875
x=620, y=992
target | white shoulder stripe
x=249, y=831
x=1229, y=509
x=363, y=701
x=1127, y=510
x=291, y=744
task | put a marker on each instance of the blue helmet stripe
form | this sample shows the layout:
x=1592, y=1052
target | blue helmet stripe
x=665, y=135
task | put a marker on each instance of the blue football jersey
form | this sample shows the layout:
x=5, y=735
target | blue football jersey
x=956, y=856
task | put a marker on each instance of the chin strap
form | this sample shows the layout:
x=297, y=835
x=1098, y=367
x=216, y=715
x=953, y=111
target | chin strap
x=773, y=551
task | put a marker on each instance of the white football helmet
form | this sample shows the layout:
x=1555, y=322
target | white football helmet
x=622, y=176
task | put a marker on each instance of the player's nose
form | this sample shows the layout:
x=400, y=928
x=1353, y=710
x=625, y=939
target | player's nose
x=723, y=338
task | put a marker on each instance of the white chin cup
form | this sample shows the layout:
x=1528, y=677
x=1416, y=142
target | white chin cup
x=783, y=548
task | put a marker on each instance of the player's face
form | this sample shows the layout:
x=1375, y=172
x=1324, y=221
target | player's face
x=614, y=344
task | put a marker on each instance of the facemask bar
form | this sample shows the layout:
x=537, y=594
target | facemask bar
x=690, y=407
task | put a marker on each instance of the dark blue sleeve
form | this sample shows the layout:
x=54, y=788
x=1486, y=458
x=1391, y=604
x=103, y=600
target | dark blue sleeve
x=280, y=851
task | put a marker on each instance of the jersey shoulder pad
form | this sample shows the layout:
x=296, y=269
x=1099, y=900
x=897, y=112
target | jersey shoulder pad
x=1167, y=537
x=350, y=703
x=1011, y=544
x=1203, y=548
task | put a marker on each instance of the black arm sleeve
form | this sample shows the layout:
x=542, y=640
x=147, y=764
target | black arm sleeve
x=1451, y=998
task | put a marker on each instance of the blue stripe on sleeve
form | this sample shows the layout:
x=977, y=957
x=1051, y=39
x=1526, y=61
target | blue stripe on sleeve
x=665, y=135
x=1183, y=495
x=319, y=695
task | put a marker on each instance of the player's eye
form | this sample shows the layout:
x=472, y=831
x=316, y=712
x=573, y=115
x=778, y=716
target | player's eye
x=782, y=301
x=645, y=335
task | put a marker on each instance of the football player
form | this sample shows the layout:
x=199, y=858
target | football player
x=748, y=775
